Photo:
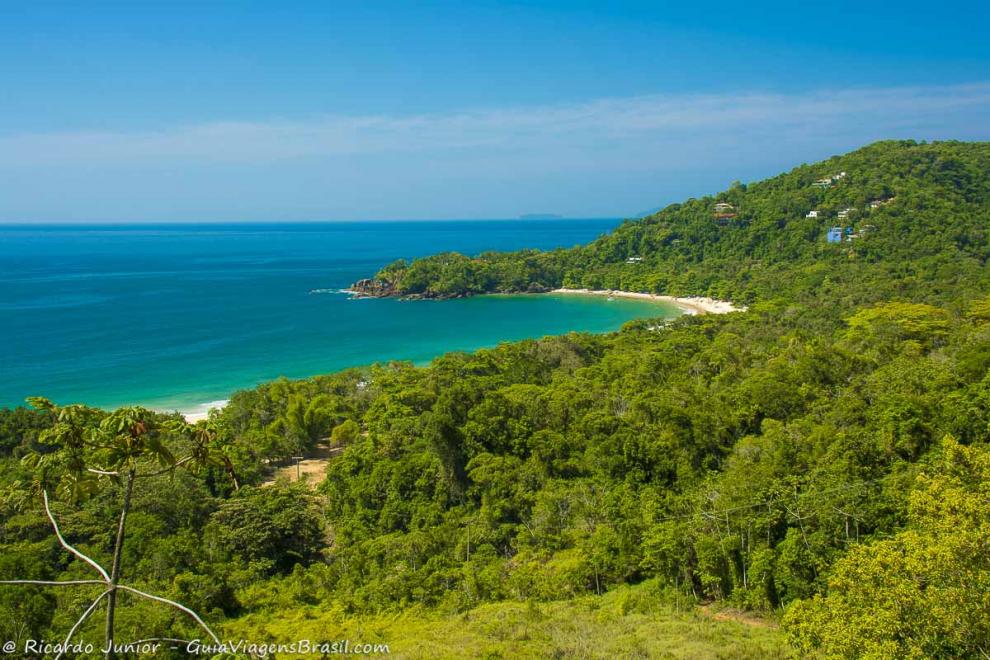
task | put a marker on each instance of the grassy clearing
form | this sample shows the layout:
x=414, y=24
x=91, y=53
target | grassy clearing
x=626, y=623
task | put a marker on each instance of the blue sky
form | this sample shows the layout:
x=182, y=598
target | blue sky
x=192, y=111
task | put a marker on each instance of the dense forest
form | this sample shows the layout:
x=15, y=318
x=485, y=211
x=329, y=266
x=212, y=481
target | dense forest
x=821, y=460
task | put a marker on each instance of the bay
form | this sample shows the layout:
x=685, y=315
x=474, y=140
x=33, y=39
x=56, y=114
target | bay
x=174, y=316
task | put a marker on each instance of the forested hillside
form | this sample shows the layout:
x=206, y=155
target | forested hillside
x=919, y=214
x=822, y=458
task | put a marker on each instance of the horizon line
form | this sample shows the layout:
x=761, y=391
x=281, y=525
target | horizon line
x=128, y=223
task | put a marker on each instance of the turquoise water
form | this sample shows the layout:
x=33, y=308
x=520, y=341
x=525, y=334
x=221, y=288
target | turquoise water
x=172, y=316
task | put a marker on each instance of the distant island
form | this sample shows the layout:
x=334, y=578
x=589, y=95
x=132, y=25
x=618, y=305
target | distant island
x=652, y=211
x=540, y=216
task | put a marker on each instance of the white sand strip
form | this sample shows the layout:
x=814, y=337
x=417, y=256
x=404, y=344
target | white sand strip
x=202, y=411
x=691, y=305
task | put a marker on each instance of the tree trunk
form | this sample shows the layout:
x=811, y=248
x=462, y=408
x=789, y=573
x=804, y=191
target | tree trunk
x=115, y=569
x=229, y=467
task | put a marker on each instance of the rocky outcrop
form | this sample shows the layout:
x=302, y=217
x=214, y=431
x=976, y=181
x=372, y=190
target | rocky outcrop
x=376, y=288
x=372, y=288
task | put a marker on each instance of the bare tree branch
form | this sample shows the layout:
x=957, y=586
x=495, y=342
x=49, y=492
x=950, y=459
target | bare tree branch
x=53, y=583
x=173, y=604
x=108, y=473
x=165, y=470
x=48, y=510
x=82, y=619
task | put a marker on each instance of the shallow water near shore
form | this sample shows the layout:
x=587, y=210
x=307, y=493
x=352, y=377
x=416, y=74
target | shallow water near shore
x=174, y=316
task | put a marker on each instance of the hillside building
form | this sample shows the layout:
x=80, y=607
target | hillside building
x=829, y=181
x=724, y=211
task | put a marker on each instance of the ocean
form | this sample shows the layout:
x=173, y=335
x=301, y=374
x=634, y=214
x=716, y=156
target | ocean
x=177, y=316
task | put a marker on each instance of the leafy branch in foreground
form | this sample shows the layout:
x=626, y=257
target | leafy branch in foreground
x=919, y=593
x=89, y=451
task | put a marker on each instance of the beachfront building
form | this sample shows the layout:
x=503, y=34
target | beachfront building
x=812, y=214
x=834, y=235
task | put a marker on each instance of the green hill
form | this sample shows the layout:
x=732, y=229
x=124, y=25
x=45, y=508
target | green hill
x=925, y=239
x=821, y=459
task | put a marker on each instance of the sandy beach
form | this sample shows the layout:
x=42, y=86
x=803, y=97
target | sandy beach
x=201, y=411
x=691, y=305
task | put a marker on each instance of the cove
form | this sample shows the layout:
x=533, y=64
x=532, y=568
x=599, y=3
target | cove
x=174, y=316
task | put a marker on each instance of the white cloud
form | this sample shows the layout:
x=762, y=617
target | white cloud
x=602, y=157
x=655, y=118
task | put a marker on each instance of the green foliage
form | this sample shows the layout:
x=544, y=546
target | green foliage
x=979, y=309
x=19, y=429
x=888, y=327
x=923, y=593
x=636, y=622
x=277, y=526
x=345, y=433
x=282, y=419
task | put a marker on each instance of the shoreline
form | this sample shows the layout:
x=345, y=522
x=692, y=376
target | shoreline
x=201, y=411
x=692, y=305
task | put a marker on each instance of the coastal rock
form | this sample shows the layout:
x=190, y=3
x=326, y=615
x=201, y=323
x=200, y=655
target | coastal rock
x=372, y=288
x=377, y=288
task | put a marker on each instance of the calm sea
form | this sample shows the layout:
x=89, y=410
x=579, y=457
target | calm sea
x=172, y=316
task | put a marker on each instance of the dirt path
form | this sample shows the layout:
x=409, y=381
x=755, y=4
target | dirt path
x=312, y=469
x=739, y=616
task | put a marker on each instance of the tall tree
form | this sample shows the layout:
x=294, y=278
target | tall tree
x=85, y=451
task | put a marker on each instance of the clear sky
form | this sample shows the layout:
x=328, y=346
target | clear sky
x=217, y=111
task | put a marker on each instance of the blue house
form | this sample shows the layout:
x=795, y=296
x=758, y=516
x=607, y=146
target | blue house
x=834, y=235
